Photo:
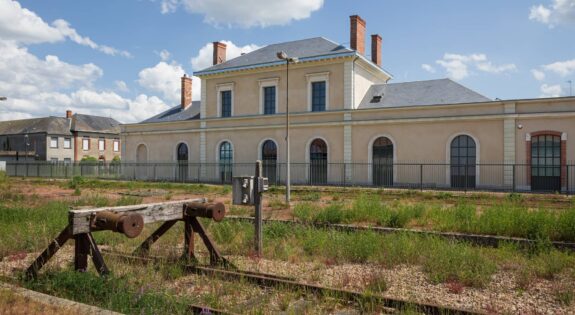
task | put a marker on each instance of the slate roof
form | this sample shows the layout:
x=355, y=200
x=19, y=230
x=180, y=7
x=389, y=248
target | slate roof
x=304, y=48
x=49, y=125
x=98, y=124
x=60, y=125
x=417, y=93
x=176, y=114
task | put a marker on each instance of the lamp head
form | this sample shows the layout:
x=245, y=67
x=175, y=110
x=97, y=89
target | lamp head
x=282, y=55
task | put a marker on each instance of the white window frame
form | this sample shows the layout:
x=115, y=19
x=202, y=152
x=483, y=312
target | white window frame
x=268, y=83
x=221, y=88
x=101, y=144
x=116, y=146
x=84, y=141
x=69, y=140
x=317, y=77
x=51, y=143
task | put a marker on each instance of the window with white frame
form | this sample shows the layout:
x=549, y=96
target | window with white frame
x=86, y=143
x=225, y=99
x=268, y=96
x=54, y=142
x=318, y=91
x=67, y=143
x=116, y=145
x=101, y=144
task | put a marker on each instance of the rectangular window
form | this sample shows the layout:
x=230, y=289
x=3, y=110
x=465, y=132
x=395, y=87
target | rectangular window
x=226, y=99
x=67, y=161
x=101, y=144
x=318, y=96
x=116, y=145
x=269, y=100
x=67, y=143
x=86, y=143
x=53, y=142
x=54, y=160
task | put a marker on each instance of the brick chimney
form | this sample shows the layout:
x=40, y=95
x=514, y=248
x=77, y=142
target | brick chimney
x=357, y=34
x=376, y=49
x=186, y=92
x=219, y=53
x=68, y=114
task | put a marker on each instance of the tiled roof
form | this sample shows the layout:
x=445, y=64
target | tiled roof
x=99, y=124
x=49, y=125
x=177, y=114
x=417, y=93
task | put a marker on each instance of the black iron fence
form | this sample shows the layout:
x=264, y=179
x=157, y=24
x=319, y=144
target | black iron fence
x=442, y=176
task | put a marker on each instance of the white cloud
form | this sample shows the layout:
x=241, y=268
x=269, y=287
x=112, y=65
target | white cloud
x=559, y=12
x=458, y=66
x=428, y=68
x=551, y=90
x=121, y=86
x=246, y=13
x=163, y=78
x=204, y=58
x=22, y=26
x=164, y=55
x=562, y=68
x=538, y=75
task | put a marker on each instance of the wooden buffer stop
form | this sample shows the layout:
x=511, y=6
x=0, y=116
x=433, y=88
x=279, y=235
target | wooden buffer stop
x=130, y=220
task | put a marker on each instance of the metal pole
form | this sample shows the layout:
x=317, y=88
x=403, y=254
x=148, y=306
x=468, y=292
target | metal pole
x=288, y=169
x=258, y=208
x=421, y=177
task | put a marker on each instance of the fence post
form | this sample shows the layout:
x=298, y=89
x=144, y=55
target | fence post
x=465, y=185
x=421, y=177
x=27, y=166
x=258, y=196
x=52, y=171
x=513, y=186
x=567, y=178
x=154, y=170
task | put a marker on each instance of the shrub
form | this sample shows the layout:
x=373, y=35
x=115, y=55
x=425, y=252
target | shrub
x=331, y=214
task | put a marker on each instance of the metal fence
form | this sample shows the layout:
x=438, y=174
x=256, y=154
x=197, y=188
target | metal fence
x=442, y=176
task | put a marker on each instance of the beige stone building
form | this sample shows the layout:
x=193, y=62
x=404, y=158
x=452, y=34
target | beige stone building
x=350, y=125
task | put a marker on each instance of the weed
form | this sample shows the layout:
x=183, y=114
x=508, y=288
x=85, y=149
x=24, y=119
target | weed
x=331, y=214
x=304, y=212
x=77, y=192
x=129, y=200
x=454, y=287
x=277, y=204
x=310, y=196
x=376, y=283
x=564, y=294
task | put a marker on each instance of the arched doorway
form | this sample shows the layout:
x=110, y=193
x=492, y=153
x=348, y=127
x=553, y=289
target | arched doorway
x=182, y=155
x=546, y=162
x=463, y=157
x=318, y=162
x=141, y=160
x=382, y=157
x=226, y=156
x=269, y=160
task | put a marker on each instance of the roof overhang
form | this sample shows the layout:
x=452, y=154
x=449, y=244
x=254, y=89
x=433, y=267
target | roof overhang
x=279, y=63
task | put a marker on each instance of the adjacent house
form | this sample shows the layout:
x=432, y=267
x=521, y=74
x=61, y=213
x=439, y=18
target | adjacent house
x=349, y=123
x=60, y=139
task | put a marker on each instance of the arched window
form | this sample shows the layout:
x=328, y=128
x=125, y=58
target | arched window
x=269, y=159
x=382, y=162
x=318, y=162
x=546, y=162
x=142, y=153
x=226, y=155
x=182, y=154
x=463, y=162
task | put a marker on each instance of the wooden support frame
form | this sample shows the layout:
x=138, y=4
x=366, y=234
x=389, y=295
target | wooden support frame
x=81, y=226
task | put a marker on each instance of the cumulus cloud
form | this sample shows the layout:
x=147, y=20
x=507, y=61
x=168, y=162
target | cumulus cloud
x=164, y=55
x=248, y=13
x=562, y=68
x=22, y=26
x=121, y=86
x=428, y=68
x=204, y=58
x=163, y=78
x=551, y=90
x=458, y=66
x=558, y=12
x=538, y=75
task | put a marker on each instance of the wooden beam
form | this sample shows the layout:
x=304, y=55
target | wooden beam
x=153, y=212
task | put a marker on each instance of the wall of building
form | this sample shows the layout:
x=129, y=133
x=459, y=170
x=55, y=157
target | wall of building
x=108, y=154
x=60, y=152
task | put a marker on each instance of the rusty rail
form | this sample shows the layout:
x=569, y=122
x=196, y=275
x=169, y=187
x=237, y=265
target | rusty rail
x=267, y=280
x=475, y=239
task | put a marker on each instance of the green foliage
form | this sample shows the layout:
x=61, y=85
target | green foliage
x=76, y=182
x=309, y=196
x=333, y=214
x=304, y=212
x=129, y=200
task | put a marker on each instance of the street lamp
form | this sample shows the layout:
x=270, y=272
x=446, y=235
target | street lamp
x=282, y=55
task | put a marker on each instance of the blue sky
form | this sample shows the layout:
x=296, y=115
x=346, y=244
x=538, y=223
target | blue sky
x=124, y=58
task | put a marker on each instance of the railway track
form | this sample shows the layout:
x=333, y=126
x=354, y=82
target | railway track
x=272, y=281
x=476, y=239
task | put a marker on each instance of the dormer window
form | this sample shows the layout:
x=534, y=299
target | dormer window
x=376, y=99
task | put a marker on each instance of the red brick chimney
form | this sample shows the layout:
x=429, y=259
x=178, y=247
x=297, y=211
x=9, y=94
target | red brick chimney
x=186, y=92
x=357, y=34
x=68, y=114
x=219, y=53
x=376, y=49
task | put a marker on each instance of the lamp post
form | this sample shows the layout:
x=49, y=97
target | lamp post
x=282, y=55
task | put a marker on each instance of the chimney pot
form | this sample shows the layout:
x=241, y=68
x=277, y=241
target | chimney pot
x=186, y=92
x=68, y=114
x=357, y=34
x=219, y=53
x=376, y=49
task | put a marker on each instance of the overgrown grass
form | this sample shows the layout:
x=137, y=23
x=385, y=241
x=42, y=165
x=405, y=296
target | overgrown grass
x=84, y=182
